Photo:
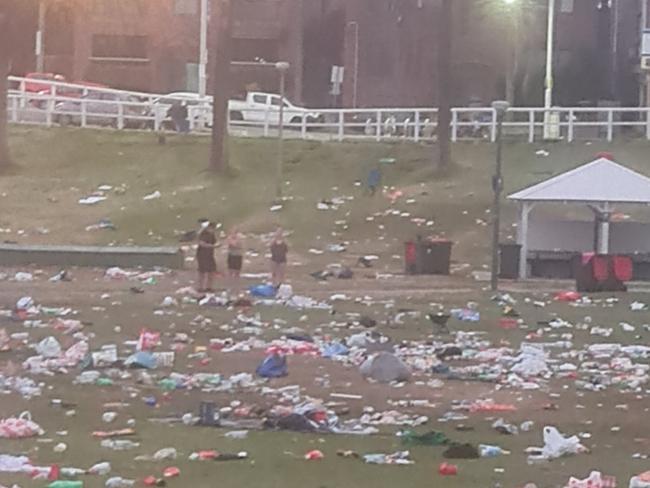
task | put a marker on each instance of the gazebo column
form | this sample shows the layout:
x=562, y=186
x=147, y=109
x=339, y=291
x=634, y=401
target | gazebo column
x=603, y=241
x=522, y=238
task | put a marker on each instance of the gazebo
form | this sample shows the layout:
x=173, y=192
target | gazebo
x=599, y=185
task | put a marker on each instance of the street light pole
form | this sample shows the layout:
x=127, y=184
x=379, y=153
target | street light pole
x=500, y=109
x=548, y=82
x=40, y=33
x=203, y=49
x=282, y=67
x=355, y=86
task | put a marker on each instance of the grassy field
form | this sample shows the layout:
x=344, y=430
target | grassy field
x=55, y=168
x=58, y=167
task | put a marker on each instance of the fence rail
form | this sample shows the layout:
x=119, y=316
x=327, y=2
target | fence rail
x=55, y=103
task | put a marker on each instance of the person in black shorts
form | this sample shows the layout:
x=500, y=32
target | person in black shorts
x=279, y=251
x=235, y=253
x=207, y=242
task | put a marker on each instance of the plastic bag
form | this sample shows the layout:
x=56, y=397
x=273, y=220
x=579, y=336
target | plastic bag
x=49, y=348
x=262, y=291
x=20, y=427
x=148, y=340
x=273, y=366
x=595, y=480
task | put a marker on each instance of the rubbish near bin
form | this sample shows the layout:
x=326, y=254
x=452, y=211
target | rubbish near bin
x=603, y=272
x=509, y=256
x=427, y=256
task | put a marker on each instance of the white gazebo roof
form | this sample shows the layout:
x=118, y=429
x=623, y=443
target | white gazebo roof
x=600, y=181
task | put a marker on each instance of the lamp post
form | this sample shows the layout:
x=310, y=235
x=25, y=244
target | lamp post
x=39, y=49
x=548, y=81
x=355, y=82
x=203, y=48
x=282, y=68
x=500, y=108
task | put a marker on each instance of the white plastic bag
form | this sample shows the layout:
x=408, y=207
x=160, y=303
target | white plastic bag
x=49, y=348
x=556, y=445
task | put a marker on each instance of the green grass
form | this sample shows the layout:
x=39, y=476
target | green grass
x=57, y=167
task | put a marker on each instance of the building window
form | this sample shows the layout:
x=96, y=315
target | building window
x=120, y=48
x=186, y=7
x=567, y=6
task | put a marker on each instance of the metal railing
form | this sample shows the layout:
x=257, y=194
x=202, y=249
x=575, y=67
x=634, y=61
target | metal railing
x=86, y=106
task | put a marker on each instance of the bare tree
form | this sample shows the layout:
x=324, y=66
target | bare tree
x=222, y=23
x=5, y=158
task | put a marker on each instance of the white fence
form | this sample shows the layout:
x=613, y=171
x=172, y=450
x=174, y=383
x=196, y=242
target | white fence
x=48, y=103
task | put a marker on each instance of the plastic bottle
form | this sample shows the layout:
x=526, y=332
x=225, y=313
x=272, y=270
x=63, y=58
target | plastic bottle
x=118, y=444
x=636, y=482
x=119, y=482
x=167, y=384
x=100, y=469
x=104, y=382
x=488, y=451
x=66, y=484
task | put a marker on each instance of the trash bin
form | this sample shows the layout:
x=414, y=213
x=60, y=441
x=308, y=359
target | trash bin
x=431, y=256
x=434, y=257
x=603, y=272
x=509, y=254
x=410, y=257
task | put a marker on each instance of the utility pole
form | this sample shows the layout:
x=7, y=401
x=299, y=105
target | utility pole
x=282, y=68
x=203, y=48
x=222, y=22
x=444, y=84
x=39, y=48
x=5, y=38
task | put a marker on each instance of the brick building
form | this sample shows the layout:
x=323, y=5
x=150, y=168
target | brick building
x=153, y=45
x=387, y=47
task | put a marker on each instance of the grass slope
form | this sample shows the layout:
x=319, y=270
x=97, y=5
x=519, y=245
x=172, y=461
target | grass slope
x=58, y=167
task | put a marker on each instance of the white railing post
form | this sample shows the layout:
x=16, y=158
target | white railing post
x=610, y=125
x=49, y=109
x=156, y=118
x=266, y=122
x=531, y=126
x=84, y=111
x=454, y=125
x=341, y=126
x=493, y=128
x=191, y=115
x=378, y=128
x=416, y=127
x=120, y=115
x=570, y=127
x=303, y=127
x=14, y=109
x=23, y=98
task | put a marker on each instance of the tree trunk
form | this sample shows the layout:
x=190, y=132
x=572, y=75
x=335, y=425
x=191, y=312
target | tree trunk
x=444, y=85
x=222, y=22
x=5, y=159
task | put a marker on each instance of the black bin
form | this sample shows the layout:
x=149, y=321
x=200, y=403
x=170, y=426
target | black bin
x=509, y=256
x=434, y=257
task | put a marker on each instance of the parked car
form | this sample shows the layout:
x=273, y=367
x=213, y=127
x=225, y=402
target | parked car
x=42, y=88
x=102, y=108
x=257, y=106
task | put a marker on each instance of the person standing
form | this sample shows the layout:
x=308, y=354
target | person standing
x=207, y=242
x=279, y=251
x=235, y=253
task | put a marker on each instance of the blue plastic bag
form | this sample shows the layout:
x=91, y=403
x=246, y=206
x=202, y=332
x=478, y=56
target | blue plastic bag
x=334, y=349
x=273, y=366
x=263, y=291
